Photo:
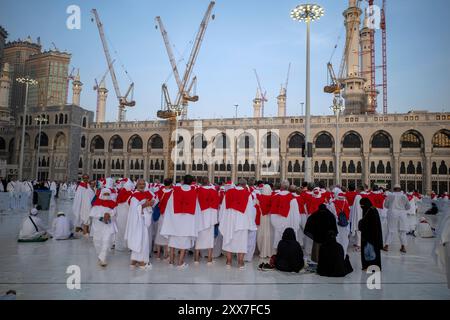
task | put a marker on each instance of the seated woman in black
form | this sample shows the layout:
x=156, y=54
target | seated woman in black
x=289, y=255
x=332, y=262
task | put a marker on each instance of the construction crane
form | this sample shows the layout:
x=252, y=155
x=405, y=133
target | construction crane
x=384, y=50
x=123, y=99
x=69, y=77
x=287, y=77
x=263, y=95
x=171, y=110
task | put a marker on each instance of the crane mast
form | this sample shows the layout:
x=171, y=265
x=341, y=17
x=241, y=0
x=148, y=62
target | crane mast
x=122, y=99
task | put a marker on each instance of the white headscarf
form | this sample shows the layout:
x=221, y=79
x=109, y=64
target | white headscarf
x=129, y=185
x=266, y=190
x=103, y=196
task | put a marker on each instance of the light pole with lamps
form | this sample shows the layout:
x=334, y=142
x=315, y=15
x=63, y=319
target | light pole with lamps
x=307, y=13
x=236, y=106
x=337, y=108
x=27, y=81
x=39, y=119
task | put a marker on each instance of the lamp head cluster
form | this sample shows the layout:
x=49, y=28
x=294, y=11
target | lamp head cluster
x=307, y=12
x=40, y=119
x=27, y=80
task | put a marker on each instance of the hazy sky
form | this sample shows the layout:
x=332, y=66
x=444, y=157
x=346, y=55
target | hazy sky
x=245, y=34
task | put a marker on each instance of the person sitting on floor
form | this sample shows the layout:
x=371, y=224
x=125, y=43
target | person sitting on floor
x=289, y=257
x=433, y=210
x=33, y=229
x=62, y=228
x=332, y=262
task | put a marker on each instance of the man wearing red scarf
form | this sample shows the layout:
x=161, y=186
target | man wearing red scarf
x=123, y=207
x=284, y=213
x=208, y=199
x=264, y=237
x=104, y=227
x=179, y=224
x=139, y=220
x=163, y=196
x=237, y=217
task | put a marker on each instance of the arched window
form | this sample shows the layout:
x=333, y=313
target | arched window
x=157, y=166
x=442, y=139
x=135, y=142
x=116, y=143
x=56, y=119
x=297, y=141
x=2, y=144
x=228, y=166
x=352, y=140
x=240, y=167
x=162, y=164
x=330, y=167
x=221, y=141
x=380, y=167
x=290, y=166
x=372, y=167
x=65, y=119
x=359, y=167
x=118, y=164
x=61, y=118
x=151, y=165
x=419, y=168
x=123, y=164
x=410, y=139
x=410, y=169
x=316, y=166
x=271, y=141
x=94, y=165
x=344, y=167
x=136, y=164
x=351, y=167
x=43, y=140
x=402, y=168
x=142, y=164
x=98, y=143
x=324, y=141
x=83, y=142
x=199, y=142
x=388, y=167
x=246, y=166
x=113, y=164
x=131, y=165
x=323, y=167
x=156, y=142
x=252, y=167
x=297, y=167
x=80, y=163
x=442, y=168
x=381, y=140
x=246, y=141
x=434, y=168
x=84, y=123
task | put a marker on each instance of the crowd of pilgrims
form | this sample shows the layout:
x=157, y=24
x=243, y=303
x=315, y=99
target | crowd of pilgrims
x=284, y=225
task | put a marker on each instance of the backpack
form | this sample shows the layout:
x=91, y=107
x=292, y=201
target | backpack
x=342, y=218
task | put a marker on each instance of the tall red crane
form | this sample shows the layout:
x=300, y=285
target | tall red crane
x=384, y=49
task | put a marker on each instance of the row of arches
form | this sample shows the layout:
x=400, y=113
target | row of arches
x=411, y=139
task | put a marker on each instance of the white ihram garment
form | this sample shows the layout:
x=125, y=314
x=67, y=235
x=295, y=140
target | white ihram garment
x=280, y=223
x=103, y=233
x=82, y=205
x=122, y=218
x=137, y=230
x=397, y=221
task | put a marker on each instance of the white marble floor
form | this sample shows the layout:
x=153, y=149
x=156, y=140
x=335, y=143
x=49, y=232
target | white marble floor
x=38, y=271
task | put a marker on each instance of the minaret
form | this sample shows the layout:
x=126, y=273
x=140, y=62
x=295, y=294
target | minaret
x=366, y=62
x=102, y=94
x=354, y=94
x=5, y=86
x=257, y=103
x=76, y=89
x=281, y=101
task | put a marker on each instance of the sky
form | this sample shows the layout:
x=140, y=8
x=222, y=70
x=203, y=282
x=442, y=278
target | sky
x=245, y=35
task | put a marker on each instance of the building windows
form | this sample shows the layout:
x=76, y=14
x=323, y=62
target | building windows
x=135, y=143
x=442, y=139
x=402, y=168
x=116, y=143
x=380, y=167
x=411, y=140
x=352, y=140
x=324, y=141
x=97, y=143
x=297, y=141
x=372, y=167
x=443, y=168
x=83, y=142
x=381, y=140
x=351, y=167
x=84, y=122
x=410, y=169
x=434, y=168
x=156, y=142
x=344, y=167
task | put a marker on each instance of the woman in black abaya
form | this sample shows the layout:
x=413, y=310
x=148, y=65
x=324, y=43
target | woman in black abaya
x=371, y=234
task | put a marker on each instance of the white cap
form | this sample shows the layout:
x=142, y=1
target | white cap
x=397, y=186
x=34, y=212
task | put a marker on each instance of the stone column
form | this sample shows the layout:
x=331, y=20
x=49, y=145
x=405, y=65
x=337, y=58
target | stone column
x=51, y=165
x=366, y=171
x=427, y=173
x=89, y=165
x=167, y=164
x=282, y=166
x=126, y=170
x=258, y=167
x=108, y=165
x=146, y=162
x=396, y=169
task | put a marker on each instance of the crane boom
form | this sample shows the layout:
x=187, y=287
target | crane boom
x=287, y=77
x=107, y=54
x=194, y=53
x=169, y=51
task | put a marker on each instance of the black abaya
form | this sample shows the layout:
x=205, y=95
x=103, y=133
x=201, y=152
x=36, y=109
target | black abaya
x=371, y=232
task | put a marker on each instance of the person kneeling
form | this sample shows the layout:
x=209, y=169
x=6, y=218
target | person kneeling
x=33, y=229
x=332, y=262
x=62, y=228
